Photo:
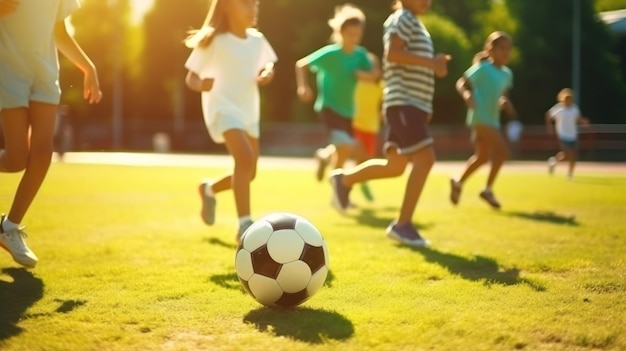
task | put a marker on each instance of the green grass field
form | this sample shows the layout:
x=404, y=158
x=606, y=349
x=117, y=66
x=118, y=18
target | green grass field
x=127, y=264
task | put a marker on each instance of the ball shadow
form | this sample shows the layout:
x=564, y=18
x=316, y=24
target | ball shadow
x=477, y=268
x=231, y=281
x=15, y=298
x=301, y=324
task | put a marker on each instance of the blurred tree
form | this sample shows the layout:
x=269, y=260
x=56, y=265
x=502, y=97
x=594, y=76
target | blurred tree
x=103, y=30
x=544, y=38
x=448, y=38
x=163, y=94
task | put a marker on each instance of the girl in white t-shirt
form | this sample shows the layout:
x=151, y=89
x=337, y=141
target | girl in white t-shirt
x=229, y=61
x=566, y=116
x=31, y=33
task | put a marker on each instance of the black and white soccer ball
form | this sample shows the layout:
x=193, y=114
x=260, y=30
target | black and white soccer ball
x=282, y=260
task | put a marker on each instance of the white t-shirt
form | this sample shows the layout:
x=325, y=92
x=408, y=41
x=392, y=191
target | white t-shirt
x=565, y=119
x=234, y=63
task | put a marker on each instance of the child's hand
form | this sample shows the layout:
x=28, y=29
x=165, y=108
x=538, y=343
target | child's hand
x=469, y=99
x=91, y=87
x=305, y=93
x=206, y=84
x=265, y=77
x=440, y=63
x=8, y=6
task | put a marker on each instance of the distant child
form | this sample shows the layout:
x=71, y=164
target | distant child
x=566, y=115
x=484, y=87
x=337, y=66
x=31, y=32
x=409, y=66
x=367, y=120
x=229, y=61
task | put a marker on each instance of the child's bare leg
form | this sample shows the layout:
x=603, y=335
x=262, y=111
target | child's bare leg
x=499, y=154
x=571, y=157
x=41, y=118
x=422, y=161
x=245, y=152
x=342, y=154
x=481, y=153
x=376, y=168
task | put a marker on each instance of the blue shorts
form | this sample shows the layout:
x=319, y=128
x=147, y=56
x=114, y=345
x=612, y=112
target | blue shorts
x=568, y=144
x=407, y=129
x=30, y=79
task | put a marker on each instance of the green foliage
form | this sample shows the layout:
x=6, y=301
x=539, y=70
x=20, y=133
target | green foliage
x=449, y=39
x=610, y=5
x=127, y=264
x=544, y=39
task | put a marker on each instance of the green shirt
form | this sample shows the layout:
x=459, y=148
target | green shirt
x=336, y=78
x=489, y=83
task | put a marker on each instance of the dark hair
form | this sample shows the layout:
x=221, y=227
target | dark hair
x=492, y=40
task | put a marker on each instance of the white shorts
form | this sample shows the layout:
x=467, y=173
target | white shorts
x=31, y=79
x=223, y=121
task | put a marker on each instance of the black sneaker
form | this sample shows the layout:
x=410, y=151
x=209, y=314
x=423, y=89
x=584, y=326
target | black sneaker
x=341, y=193
x=406, y=234
x=488, y=196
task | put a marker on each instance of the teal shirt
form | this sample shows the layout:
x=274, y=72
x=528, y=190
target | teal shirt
x=489, y=83
x=336, y=78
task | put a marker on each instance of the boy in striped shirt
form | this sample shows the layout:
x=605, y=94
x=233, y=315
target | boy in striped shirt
x=410, y=66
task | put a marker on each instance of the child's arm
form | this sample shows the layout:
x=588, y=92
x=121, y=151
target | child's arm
x=302, y=81
x=197, y=84
x=506, y=105
x=397, y=53
x=8, y=6
x=583, y=121
x=464, y=88
x=266, y=75
x=70, y=49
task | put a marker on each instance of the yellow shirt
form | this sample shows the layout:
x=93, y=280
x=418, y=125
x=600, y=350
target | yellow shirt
x=368, y=97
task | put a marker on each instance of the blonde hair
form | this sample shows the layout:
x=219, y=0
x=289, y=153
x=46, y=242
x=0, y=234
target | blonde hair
x=564, y=93
x=214, y=23
x=397, y=4
x=345, y=15
x=492, y=41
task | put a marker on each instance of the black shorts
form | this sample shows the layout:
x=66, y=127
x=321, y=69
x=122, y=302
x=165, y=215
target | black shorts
x=407, y=129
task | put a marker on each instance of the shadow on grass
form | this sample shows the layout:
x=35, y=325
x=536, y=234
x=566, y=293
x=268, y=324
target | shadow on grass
x=15, y=298
x=478, y=268
x=220, y=242
x=302, y=324
x=545, y=216
x=369, y=218
x=231, y=281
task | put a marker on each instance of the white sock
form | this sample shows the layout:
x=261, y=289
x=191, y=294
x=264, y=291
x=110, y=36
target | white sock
x=208, y=190
x=8, y=225
x=244, y=219
x=487, y=189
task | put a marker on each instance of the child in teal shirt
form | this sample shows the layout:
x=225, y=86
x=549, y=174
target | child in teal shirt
x=484, y=87
x=337, y=67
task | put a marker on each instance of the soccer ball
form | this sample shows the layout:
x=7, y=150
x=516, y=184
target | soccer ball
x=282, y=260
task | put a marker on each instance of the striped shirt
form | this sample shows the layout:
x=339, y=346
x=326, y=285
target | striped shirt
x=408, y=84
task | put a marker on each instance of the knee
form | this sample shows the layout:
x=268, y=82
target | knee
x=14, y=162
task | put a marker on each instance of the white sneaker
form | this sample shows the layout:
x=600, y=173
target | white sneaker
x=13, y=241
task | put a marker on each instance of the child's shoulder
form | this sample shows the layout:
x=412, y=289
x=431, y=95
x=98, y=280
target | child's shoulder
x=255, y=33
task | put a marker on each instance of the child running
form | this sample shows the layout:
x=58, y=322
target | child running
x=484, y=87
x=566, y=115
x=410, y=66
x=337, y=66
x=229, y=61
x=31, y=32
